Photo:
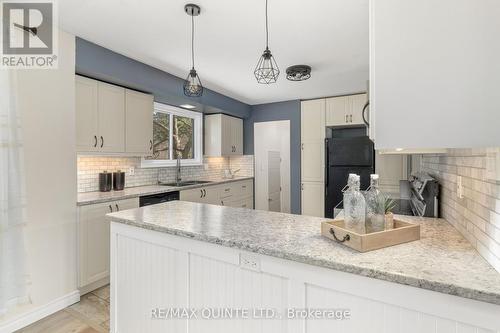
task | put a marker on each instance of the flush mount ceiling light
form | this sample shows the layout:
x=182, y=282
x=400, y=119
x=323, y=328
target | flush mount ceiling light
x=192, y=84
x=298, y=72
x=267, y=70
x=187, y=106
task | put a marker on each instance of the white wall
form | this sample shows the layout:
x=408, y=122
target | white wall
x=46, y=104
x=271, y=136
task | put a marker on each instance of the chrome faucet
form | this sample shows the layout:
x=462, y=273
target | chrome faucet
x=178, y=178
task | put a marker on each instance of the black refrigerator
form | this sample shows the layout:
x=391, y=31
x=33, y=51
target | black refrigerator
x=347, y=151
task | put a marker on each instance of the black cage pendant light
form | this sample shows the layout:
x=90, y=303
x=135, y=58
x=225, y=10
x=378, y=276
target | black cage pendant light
x=192, y=84
x=267, y=70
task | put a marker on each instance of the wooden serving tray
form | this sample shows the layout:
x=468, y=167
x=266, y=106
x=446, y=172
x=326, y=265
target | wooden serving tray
x=403, y=232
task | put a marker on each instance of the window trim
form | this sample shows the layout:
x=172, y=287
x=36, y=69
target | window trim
x=198, y=137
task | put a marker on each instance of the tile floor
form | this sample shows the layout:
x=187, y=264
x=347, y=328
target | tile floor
x=90, y=315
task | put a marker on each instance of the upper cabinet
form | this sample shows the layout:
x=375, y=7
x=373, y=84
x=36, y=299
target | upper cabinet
x=112, y=119
x=345, y=110
x=223, y=135
x=434, y=82
x=138, y=122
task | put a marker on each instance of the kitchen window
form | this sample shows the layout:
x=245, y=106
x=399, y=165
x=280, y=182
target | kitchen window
x=176, y=133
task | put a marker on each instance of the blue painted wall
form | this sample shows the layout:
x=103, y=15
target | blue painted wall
x=98, y=62
x=289, y=110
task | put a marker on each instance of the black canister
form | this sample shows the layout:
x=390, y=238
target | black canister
x=105, y=181
x=118, y=180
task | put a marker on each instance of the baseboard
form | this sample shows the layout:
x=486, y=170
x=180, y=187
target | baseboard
x=41, y=312
x=94, y=285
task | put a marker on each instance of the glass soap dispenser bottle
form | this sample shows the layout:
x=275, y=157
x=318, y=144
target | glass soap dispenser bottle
x=375, y=210
x=354, y=206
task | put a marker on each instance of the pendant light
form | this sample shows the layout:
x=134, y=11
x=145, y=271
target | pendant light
x=267, y=70
x=192, y=84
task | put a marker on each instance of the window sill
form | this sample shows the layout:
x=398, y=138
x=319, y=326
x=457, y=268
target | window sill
x=168, y=163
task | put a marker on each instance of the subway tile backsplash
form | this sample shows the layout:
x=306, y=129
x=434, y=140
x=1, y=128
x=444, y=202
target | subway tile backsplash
x=477, y=214
x=89, y=168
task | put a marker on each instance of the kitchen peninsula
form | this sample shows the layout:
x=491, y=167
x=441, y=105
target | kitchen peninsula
x=181, y=254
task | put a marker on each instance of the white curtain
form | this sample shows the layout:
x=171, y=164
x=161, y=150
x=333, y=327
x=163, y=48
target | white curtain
x=14, y=280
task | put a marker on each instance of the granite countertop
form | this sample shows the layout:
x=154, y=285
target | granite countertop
x=90, y=198
x=442, y=260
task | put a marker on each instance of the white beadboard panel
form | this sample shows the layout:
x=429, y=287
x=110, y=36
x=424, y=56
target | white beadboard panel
x=151, y=269
x=217, y=284
x=150, y=277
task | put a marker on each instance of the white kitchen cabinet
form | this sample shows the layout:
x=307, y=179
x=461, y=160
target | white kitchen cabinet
x=138, y=122
x=112, y=119
x=93, y=240
x=345, y=110
x=223, y=135
x=233, y=194
x=433, y=81
x=313, y=202
x=111, y=123
x=312, y=156
x=87, y=115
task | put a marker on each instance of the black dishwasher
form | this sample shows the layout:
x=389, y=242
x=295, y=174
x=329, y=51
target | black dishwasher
x=153, y=199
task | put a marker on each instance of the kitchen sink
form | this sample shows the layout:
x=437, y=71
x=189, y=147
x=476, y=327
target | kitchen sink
x=186, y=183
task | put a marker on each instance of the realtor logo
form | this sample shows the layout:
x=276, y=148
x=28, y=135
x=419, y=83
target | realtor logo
x=28, y=35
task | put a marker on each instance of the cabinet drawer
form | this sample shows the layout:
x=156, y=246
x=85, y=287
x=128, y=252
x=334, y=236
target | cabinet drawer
x=245, y=188
x=226, y=190
x=247, y=203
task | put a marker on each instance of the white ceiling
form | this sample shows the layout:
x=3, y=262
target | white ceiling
x=329, y=35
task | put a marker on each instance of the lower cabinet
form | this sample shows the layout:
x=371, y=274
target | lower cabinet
x=233, y=194
x=313, y=199
x=93, y=241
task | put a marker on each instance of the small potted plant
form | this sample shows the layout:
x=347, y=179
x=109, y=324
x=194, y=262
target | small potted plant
x=389, y=216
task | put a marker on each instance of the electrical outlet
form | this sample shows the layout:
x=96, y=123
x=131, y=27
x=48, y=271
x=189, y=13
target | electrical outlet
x=131, y=171
x=249, y=262
x=460, y=187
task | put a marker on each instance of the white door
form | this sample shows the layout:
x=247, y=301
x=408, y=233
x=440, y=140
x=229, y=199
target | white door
x=336, y=114
x=227, y=137
x=193, y=195
x=273, y=183
x=313, y=199
x=138, y=122
x=111, y=106
x=87, y=130
x=312, y=140
x=272, y=136
x=357, y=102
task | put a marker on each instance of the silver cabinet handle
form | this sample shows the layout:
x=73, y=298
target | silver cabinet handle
x=150, y=144
x=102, y=141
x=110, y=208
x=117, y=208
x=350, y=118
x=95, y=140
x=201, y=193
x=346, y=117
x=204, y=193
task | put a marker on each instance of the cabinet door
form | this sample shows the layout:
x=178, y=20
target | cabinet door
x=247, y=203
x=237, y=135
x=226, y=136
x=193, y=195
x=94, y=242
x=138, y=122
x=87, y=130
x=356, y=104
x=313, y=199
x=313, y=140
x=211, y=195
x=336, y=111
x=126, y=204
x=111, y=106
x=313, y=120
